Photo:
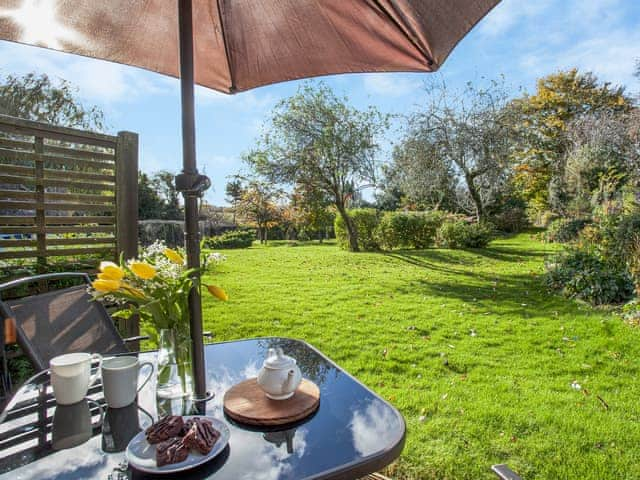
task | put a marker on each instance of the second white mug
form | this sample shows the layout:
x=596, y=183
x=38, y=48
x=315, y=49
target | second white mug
x=120, y=380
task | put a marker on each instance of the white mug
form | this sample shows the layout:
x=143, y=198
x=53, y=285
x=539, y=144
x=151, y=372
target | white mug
x=71, y=376
x=120, y=380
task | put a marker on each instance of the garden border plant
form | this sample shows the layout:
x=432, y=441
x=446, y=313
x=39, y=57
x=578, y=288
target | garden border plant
x=230, y=239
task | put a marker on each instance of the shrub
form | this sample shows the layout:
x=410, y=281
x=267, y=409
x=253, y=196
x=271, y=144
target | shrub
x=634, y=263
x=408, y=229
x=631, y=312
x=614, y=237
x=563, y=230
x=511, y=220
x=585, y=275
x=366, y=222
x=230, y=239
x=460, y=234
x=425, y=227
x=626, y=236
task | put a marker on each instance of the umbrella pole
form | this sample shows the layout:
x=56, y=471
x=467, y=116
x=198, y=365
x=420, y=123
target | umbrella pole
x=192, y=185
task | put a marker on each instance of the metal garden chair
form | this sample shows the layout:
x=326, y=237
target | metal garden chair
x=56, y=322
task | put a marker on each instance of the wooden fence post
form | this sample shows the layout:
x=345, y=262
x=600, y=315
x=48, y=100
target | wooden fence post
x=127, y=210
x=127, y=194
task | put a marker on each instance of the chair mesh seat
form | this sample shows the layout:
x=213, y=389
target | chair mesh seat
x=64, y=321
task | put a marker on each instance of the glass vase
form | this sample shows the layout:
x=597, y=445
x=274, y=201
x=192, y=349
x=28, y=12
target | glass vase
x=174, y=366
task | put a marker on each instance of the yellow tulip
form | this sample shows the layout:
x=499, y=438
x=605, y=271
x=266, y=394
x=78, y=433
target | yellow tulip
x=106, y=286
x=174, y=256
x=143, y=270
x=136, y=292
x=111, y=271
x=218, y=292
x=108, y=276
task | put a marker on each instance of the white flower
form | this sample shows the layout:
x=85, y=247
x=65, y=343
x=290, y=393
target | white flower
x=216, y=257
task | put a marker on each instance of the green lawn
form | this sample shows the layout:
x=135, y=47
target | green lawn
x=469, y=345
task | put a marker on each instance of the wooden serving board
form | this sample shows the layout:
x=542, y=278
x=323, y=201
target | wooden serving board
x=247, y=403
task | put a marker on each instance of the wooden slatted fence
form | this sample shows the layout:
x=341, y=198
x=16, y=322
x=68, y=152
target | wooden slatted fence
x=66, y=192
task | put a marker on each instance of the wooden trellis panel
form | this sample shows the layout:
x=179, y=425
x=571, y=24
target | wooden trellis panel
x=66, y=192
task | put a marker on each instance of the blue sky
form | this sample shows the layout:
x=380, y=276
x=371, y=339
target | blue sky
x=520, y=39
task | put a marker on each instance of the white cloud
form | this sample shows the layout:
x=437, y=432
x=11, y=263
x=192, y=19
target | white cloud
x=369, y=425
x=390, y=84
x=611, y=58
x=99, y=81
x=544, y=36
x=508, y=13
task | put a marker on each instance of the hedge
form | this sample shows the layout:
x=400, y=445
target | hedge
x=460, y=234
x=408, y=229
x=366, y=222
x=230, y=239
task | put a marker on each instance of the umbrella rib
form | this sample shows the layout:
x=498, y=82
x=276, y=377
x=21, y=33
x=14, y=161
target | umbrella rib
x=225, y=41
x=407, y=34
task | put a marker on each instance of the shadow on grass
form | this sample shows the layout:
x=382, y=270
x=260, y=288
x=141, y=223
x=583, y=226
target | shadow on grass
x=504, y=293
x=503, y=253
x=296, y=243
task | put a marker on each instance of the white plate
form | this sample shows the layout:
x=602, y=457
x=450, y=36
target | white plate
x=142, y=455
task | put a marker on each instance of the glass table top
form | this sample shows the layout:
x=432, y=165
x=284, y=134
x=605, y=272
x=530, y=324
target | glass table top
x=354, y=431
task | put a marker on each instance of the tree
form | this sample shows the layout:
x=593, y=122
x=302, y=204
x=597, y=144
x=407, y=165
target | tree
x=467, y=135
x=419, y=175
x=150, y=205
x=603, y=155
x=258, y=206
x=541, y=121
x=164, y=184
x=318, y=141
x=37, y=97
x=390, y=194
x=310, y=211
x=158, y=198
x=233, y=190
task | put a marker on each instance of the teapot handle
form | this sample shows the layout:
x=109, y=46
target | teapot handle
x=286, y=386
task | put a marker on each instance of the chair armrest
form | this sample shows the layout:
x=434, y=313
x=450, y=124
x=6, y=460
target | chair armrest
x=45, y=277
x=504, y=472
x=135, y=339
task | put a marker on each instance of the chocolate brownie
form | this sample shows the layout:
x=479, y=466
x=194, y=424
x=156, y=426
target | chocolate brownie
x=172, y=450
x=165, y=428
x=186, y=427
x=201, y=436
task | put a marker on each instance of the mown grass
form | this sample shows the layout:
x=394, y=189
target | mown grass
x=469, y=345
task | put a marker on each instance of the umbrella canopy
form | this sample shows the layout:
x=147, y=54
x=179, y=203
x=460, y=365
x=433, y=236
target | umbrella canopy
x=242, y=44
x=236, y=45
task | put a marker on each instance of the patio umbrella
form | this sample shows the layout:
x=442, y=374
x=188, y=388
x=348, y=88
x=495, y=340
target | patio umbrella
x=236, y=45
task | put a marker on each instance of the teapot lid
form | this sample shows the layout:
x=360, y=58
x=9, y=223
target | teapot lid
x=277, y=359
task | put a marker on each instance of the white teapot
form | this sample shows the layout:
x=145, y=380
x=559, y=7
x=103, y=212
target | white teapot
x=279, y=376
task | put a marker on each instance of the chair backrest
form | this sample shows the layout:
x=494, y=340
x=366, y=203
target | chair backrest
x=60, y=321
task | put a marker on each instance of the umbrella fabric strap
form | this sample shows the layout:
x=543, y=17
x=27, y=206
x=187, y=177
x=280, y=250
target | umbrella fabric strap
x=192, y=183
